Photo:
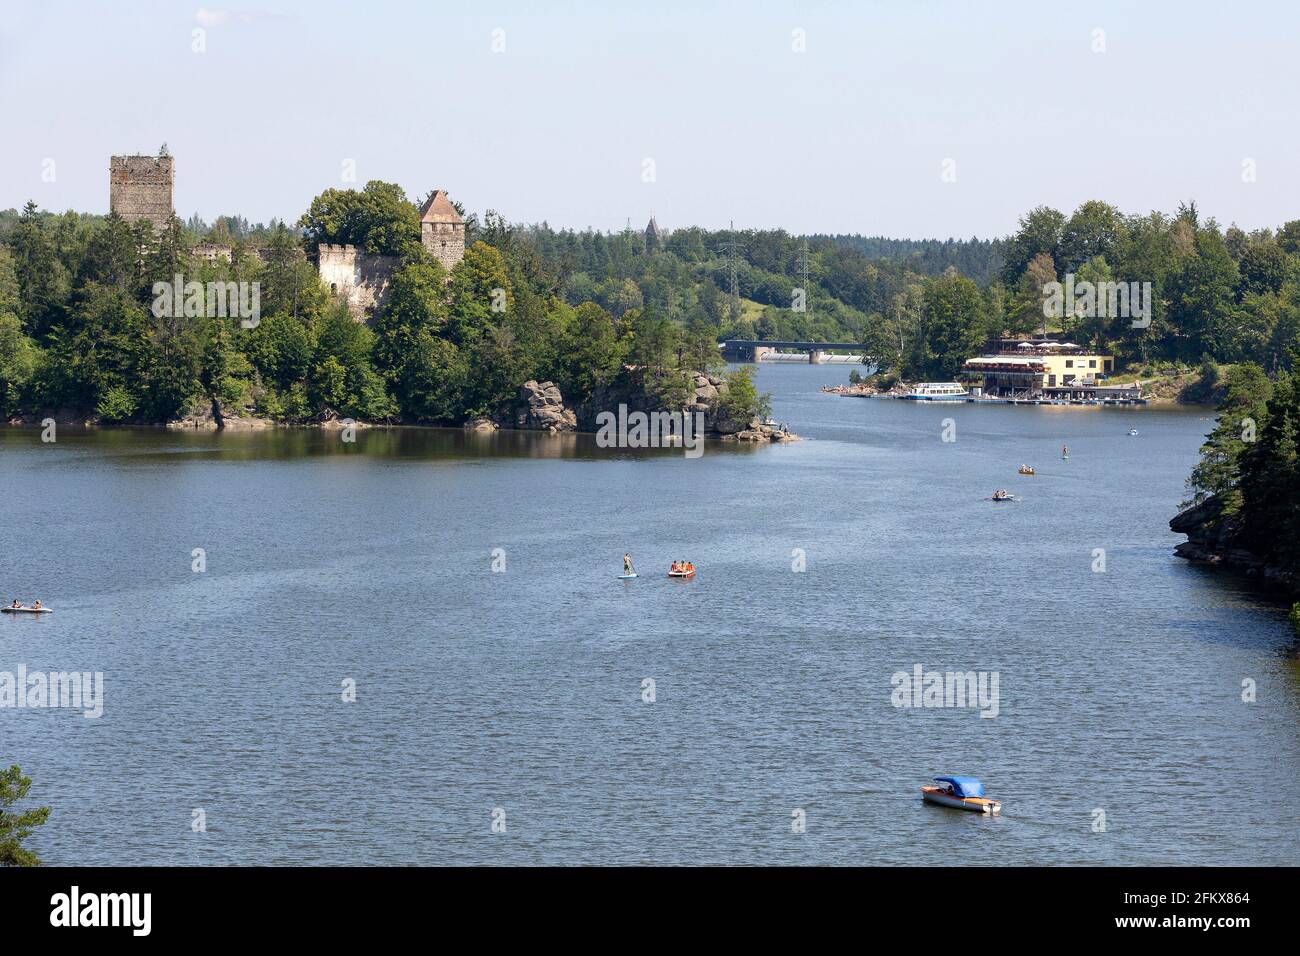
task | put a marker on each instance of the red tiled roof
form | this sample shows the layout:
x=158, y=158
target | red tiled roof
x=438, y=208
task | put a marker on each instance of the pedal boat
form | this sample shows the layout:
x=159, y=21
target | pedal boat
x=961, y=793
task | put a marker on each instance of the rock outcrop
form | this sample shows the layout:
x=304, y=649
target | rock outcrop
x=1213, y=538
x=539, y=406
x=642, y=390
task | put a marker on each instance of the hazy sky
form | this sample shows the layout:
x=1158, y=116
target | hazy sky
x=850, y=135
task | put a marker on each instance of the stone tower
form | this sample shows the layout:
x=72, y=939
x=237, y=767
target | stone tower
x=140, y=187
x=654, y=236
x=442, y=230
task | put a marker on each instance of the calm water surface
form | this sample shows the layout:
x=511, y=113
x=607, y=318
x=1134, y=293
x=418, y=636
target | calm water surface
x=1119, y=691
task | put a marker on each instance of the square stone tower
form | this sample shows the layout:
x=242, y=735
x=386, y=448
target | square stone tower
x=442, y=230
x=140, y=187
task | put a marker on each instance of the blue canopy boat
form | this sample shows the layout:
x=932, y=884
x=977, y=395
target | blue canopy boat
x=963, y=793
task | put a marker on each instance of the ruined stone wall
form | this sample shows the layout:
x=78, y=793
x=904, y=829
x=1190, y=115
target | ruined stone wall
x=361, y=279
x=445, y=240
x=140, y=187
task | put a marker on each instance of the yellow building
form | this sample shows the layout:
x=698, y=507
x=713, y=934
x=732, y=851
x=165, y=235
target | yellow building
x=1041, y=368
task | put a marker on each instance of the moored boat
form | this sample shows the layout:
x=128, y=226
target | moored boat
x=937, y=392
x=961, y=793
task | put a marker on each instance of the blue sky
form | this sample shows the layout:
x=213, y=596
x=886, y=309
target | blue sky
x=850, y=135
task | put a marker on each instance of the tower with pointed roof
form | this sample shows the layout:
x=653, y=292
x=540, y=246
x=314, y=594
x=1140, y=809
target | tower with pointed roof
x=442, y=229
x=654, y=236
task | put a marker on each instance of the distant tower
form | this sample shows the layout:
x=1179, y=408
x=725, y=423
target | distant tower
x=140, y=187
x=654, y=236
x=732, y=249
x=442, y=230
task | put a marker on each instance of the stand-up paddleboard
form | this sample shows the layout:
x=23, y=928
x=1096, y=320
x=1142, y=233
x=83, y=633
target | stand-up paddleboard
x=27, y=610
x=627, y=577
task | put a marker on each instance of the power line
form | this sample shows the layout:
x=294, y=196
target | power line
x=732, y=249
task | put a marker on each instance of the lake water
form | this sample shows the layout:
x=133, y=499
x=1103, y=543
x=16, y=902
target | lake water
x=522, y=692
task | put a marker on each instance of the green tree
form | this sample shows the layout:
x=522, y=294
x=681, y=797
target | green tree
x=1040, y=232
x=378, y=219
x=1241, y=413
x=20, y=358
x=741, y=401
x=1093, y=231
x=593, y=353
x=42, y=277
x=952, y=326
x=15, y=827
x=481, y=295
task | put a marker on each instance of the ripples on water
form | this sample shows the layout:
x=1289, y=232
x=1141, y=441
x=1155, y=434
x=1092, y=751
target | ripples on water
x=1118, y=691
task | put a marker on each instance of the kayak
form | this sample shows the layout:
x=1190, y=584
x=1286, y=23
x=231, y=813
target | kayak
x=26, y=610
x=626, y=577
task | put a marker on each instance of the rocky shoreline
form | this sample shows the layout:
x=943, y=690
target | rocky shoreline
x=538, y=407
x=864, y=390
x=1211, y=539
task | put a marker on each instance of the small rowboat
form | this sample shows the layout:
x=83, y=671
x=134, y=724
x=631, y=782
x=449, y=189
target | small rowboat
x=961, y=793
x=27, y=610
x=681, y=574
x=1025, y=470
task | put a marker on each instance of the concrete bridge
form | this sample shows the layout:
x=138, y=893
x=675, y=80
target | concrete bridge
x=743, y=350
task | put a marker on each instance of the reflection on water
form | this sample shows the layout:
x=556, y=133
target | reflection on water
x=374, y=442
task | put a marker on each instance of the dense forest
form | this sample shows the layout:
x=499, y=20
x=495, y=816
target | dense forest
x=1246, y=488
x=77, y=330
x=79, y=333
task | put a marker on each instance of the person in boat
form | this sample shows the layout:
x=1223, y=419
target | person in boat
x=16, y=603
x=676, y=566
x=36, y=605
x=689, y=568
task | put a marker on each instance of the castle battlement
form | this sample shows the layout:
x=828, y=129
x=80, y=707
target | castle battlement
x=357, y=276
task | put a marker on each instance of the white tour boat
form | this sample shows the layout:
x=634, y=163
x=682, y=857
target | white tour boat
x=937, y=392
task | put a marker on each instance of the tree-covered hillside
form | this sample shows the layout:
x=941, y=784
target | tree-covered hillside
x=77, y=330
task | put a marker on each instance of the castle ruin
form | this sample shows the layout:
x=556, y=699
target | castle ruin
x=360, y=278
x=442, y=230
x=140, y=187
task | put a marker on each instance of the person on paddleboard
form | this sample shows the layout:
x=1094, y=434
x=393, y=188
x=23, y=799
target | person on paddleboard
x=627, y=564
